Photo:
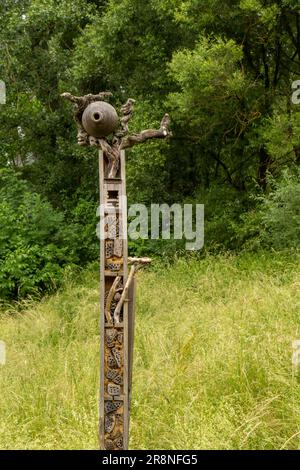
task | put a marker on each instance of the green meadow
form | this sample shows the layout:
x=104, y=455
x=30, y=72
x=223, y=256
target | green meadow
x=212, y=367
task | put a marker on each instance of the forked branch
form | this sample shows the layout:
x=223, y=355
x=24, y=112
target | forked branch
x=162, y=133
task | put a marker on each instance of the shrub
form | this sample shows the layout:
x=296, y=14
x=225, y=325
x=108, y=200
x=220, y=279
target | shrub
x=275, y=223
x=35, y=242
x=281, y=213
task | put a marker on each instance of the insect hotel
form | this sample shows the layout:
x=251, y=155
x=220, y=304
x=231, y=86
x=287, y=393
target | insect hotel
x=99, y=125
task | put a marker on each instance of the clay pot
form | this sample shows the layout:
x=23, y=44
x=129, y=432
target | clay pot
x=100, y=119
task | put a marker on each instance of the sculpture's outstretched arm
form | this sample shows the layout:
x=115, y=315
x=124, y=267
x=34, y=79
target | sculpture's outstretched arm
x=162, y=133
x=72, y=98
x=86, y=99
x=100, y=95
x=125, y=116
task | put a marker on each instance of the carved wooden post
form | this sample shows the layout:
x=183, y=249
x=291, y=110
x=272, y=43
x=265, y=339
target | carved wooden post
x=99, y=125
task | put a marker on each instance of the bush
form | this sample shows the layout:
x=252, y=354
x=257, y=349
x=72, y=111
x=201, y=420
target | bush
x=276, y=221
x=281, y=213
x=224, y=208
x=35, y=242
x=83, y=221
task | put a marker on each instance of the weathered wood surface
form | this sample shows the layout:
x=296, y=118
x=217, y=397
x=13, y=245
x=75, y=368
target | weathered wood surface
x=120, y=138
x=131, y=329
x=114, y=386
x=95, y=118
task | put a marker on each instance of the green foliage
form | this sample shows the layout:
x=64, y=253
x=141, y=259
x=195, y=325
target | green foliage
x=225, y=210
x=275, y=223
x=127, y=47
x=35, y=244
x=223, y=69
x=83, y=221
x=215, y=96
x=37, y=131
x=281, y=213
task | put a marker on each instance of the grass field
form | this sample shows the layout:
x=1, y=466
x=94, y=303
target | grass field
x=212, y=360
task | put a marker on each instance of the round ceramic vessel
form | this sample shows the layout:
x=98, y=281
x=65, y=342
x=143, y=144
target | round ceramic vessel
x=100, y=119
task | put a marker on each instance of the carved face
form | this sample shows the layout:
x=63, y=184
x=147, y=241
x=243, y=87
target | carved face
x=82, y=138
x=93, y=141
x=117, y=297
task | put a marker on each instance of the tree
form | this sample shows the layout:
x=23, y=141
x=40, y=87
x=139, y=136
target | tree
x=268, y=37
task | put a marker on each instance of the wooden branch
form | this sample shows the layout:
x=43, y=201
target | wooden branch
x=143, y=261
x=109, y=299
x=277, y=62
x=136, y=262
x=86, y=99
x=222, y=164
x=127, y=113
x=162, y=133
x=112, y=153
x=123, y=296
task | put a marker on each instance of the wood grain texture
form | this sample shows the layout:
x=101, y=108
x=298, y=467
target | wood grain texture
x=117, y=292
x=131, y=329
x=114, y=370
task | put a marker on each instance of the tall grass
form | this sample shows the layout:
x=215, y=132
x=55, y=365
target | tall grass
x=212, y=360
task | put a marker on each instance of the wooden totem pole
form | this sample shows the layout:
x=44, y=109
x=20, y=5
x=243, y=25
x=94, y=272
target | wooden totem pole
x=99, y=125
